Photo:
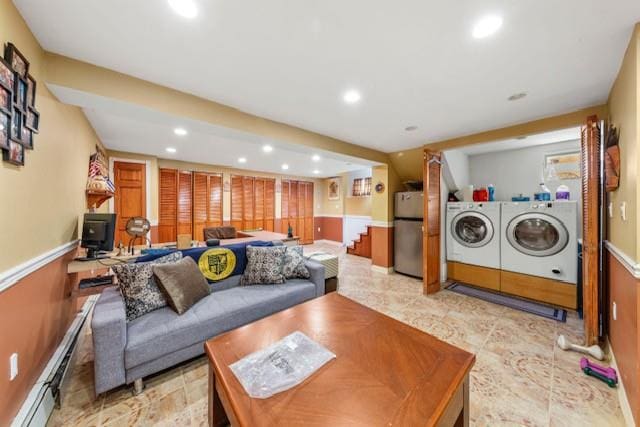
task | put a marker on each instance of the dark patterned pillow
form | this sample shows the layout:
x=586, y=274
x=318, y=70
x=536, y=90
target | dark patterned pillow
x=294, y=264
x=138, y=286
x=264, y=265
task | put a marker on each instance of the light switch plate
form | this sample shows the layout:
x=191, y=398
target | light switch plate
x=614, y=312
x=610, y=209
x=623, y=210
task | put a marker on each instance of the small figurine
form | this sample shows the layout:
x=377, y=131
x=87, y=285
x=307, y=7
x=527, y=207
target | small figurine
x=608, y=375
x=290, y=231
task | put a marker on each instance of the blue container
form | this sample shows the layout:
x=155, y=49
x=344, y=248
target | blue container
x=492, y=192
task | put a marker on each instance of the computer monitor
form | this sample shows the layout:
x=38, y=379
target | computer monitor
x=97, y=234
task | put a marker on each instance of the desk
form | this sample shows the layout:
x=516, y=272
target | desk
x=100, y=264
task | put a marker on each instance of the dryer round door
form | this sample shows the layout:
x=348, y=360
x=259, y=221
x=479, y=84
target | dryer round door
x=537, y=234
x=472, y=229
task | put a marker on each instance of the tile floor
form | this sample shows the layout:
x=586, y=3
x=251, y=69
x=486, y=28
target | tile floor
x=520, y=377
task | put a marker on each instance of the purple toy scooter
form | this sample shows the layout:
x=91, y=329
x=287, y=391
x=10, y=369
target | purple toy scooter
x=608, y=375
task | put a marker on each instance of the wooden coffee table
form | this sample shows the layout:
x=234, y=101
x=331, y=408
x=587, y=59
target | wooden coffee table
x=385, y=372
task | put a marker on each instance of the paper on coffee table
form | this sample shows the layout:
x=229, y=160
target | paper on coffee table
x=281, y=366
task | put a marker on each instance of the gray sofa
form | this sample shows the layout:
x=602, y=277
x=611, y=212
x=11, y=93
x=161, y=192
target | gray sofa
x=127, y=352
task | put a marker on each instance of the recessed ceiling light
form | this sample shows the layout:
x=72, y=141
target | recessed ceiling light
x=184, y=8
x=180, y=131
x=315, y=158
x=517, y=96
x=170, y=150
x=242, y=160
x=267, y=148
x=351, y=96
x=411, y=128
x=316, y=171
x=285, y=166
x=486, y=26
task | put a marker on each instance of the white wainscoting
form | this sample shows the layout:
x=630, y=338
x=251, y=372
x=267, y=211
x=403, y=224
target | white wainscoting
x=353, y=226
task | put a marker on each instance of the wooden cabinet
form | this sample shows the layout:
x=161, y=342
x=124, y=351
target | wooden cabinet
x=252, y=203
x=188, y=202
x=297, y=209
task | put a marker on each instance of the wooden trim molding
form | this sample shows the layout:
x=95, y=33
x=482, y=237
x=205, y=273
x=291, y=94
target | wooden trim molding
x=383, y=224
x=624, y=259
x=12, y=276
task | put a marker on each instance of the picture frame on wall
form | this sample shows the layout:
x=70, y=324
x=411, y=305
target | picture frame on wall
x=334, y=189
x=16, y=60
x=16, y=126
x=27, y=138
x=6, y=74
x=6, y=100
x=15, y=154
x=20, y=93
x=5, y=130
x=33, y=120
x=31, y=91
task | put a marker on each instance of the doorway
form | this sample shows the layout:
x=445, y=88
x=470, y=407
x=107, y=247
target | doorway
x=130, y=199
x=585, y=186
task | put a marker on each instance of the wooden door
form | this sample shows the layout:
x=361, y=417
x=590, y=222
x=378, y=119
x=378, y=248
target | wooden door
x=431, y=222
x=247, y=202
x=130, y=196
x=168, y=205
x=269, y=204
x=591, y=229
x=308, y=218
x=258, y=203
x=302, y=208
x=284, y=214
x=185, y=203
x=237, y=206
x=293, y=207
x=207, y=202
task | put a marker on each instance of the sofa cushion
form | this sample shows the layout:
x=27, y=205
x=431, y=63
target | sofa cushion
x=294, y=264
x=163, y=331
x=182, y=283
x=264, y=265
x=138, y=286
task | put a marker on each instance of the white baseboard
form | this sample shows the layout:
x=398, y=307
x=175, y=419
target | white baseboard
x=383, y=270
x=622, y=395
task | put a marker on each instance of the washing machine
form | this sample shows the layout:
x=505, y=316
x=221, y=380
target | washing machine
x=473, y=233
x=540, y=239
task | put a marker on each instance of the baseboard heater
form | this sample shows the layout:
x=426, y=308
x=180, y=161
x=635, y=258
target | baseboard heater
x=47, y=391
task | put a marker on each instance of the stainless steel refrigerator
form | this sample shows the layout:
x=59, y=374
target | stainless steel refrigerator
x=408, y=210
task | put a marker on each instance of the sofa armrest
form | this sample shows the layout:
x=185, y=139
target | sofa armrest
x=317, y=276
x=109, y=330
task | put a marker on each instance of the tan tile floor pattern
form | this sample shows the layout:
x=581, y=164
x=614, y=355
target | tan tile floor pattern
x=521, y=377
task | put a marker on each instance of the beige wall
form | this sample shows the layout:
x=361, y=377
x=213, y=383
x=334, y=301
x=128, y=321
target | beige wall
x=157, y=163
x=331, y=207
x=624, y=113
x=42, y=201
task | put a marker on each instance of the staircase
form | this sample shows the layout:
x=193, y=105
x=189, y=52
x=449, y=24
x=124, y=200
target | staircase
x=362, y=246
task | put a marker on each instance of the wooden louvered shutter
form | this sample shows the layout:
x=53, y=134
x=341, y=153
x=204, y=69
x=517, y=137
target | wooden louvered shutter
x=237, y=206
x=308, y=211
x=258, y=195
x=431, y=228
x=302, y=208
x=214, y=217
x=269, y=204
x=284, y=214
x=247, y=200
x=168, y=205
x=185, y=201
x=293, y=207
x=591, y=232
x=200, y=204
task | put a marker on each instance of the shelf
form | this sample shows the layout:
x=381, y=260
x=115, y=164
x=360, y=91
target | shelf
x=97, y=198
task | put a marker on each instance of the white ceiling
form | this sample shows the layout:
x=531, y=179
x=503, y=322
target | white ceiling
x=570, y=134
x=414, y=61
x=131, y=128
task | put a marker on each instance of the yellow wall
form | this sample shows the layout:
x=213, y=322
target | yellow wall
x=157, y=163
x=42, y=201
x=331, y=207
x=624, y=113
